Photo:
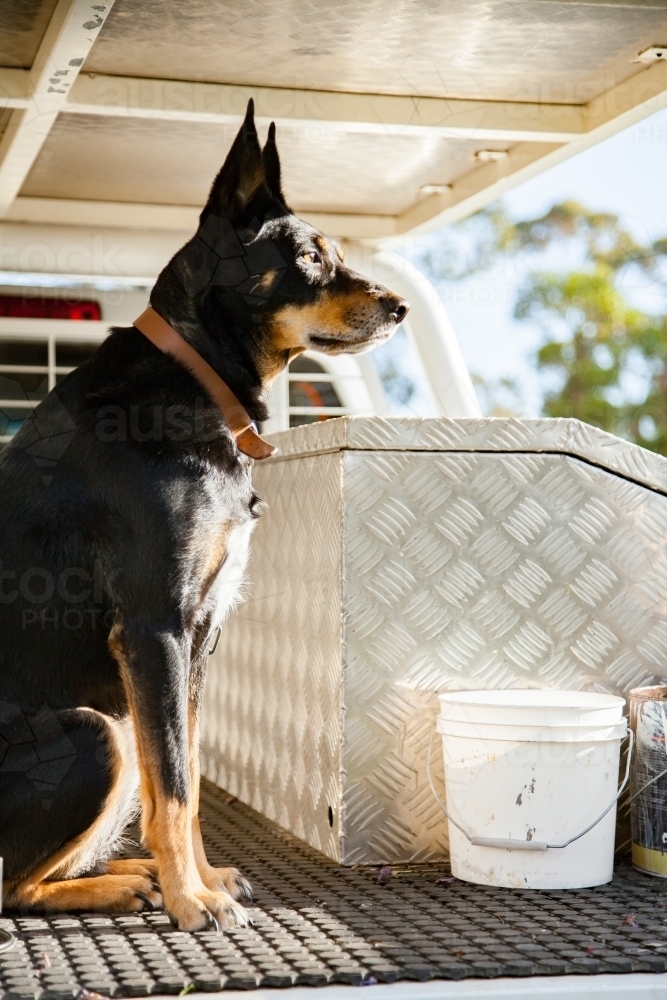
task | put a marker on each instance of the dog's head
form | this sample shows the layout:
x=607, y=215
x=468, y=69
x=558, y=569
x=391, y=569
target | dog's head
x=253, y=264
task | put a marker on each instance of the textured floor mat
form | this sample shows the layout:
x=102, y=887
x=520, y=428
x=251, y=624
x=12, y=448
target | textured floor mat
x=315, y=923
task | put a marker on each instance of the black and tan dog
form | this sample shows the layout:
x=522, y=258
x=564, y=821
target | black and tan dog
x=125, y=515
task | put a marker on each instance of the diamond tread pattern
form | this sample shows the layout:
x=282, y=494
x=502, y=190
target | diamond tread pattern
x=315, y=923
x=380, y=578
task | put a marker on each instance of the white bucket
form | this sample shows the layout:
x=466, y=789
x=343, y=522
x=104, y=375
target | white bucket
x=532, y=786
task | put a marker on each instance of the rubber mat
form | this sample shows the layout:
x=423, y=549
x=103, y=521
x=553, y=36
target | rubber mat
x=315, y=923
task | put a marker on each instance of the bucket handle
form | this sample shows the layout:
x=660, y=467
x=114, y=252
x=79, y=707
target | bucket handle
x=527, y=845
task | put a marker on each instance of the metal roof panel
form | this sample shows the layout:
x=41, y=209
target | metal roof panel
x=105, y=158
x=546, y=50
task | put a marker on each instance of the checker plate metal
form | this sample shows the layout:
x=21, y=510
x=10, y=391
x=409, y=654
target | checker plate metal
x=382, y=577
x=271, y=719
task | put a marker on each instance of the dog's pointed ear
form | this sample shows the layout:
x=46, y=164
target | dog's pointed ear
x=241, y=176
x=271, y=162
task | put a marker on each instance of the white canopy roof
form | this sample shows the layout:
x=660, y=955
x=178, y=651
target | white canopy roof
x=392, y=116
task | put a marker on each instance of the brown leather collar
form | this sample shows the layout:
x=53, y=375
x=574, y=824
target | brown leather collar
x=160, y=333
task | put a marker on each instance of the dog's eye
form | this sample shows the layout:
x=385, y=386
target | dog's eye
x=311, y=257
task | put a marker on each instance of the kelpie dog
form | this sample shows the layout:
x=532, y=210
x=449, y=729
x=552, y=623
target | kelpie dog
x=126, y=508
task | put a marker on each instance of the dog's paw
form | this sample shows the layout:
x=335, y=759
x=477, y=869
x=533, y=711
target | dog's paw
x=228, y=880
x=108, y=893
x=122, y=893
x=225, y=909
x=206, y=910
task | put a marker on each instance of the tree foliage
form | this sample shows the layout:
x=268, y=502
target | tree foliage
x=606, y=360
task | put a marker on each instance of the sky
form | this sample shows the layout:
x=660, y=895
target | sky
x=626, y=175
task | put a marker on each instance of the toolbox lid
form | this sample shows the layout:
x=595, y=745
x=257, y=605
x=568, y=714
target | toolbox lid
x=563, y=436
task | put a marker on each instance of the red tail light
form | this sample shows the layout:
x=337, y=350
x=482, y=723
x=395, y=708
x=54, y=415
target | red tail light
x=19, y=307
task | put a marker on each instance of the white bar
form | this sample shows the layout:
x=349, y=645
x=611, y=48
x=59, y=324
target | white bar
x=41, y=329
x=52, y=362
x=173, y=218
x=321, y=411
x=381, y=114
x=639, y=986
x=24, y=370
x=68, y=39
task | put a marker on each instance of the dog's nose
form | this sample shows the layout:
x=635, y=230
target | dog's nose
x=401, y=311
x=397, y=309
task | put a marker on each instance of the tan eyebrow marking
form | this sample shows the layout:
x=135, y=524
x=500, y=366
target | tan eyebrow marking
x=265, y=281
x=322, y=244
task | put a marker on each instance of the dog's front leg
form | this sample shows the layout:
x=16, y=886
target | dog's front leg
x=154, y=665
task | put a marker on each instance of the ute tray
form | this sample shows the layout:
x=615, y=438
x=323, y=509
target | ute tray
x=315, y=923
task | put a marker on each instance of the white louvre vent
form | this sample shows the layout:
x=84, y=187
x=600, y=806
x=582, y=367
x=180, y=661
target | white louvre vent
x=34, y=355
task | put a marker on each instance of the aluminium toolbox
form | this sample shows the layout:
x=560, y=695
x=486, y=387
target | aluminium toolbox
x=403, y=557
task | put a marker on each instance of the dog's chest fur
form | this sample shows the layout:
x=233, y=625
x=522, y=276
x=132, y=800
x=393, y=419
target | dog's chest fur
x=225, y=588
x=220, y=543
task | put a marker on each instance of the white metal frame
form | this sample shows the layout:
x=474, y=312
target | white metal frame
x=638, y=986
x=539, y=135
x=44, y=89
